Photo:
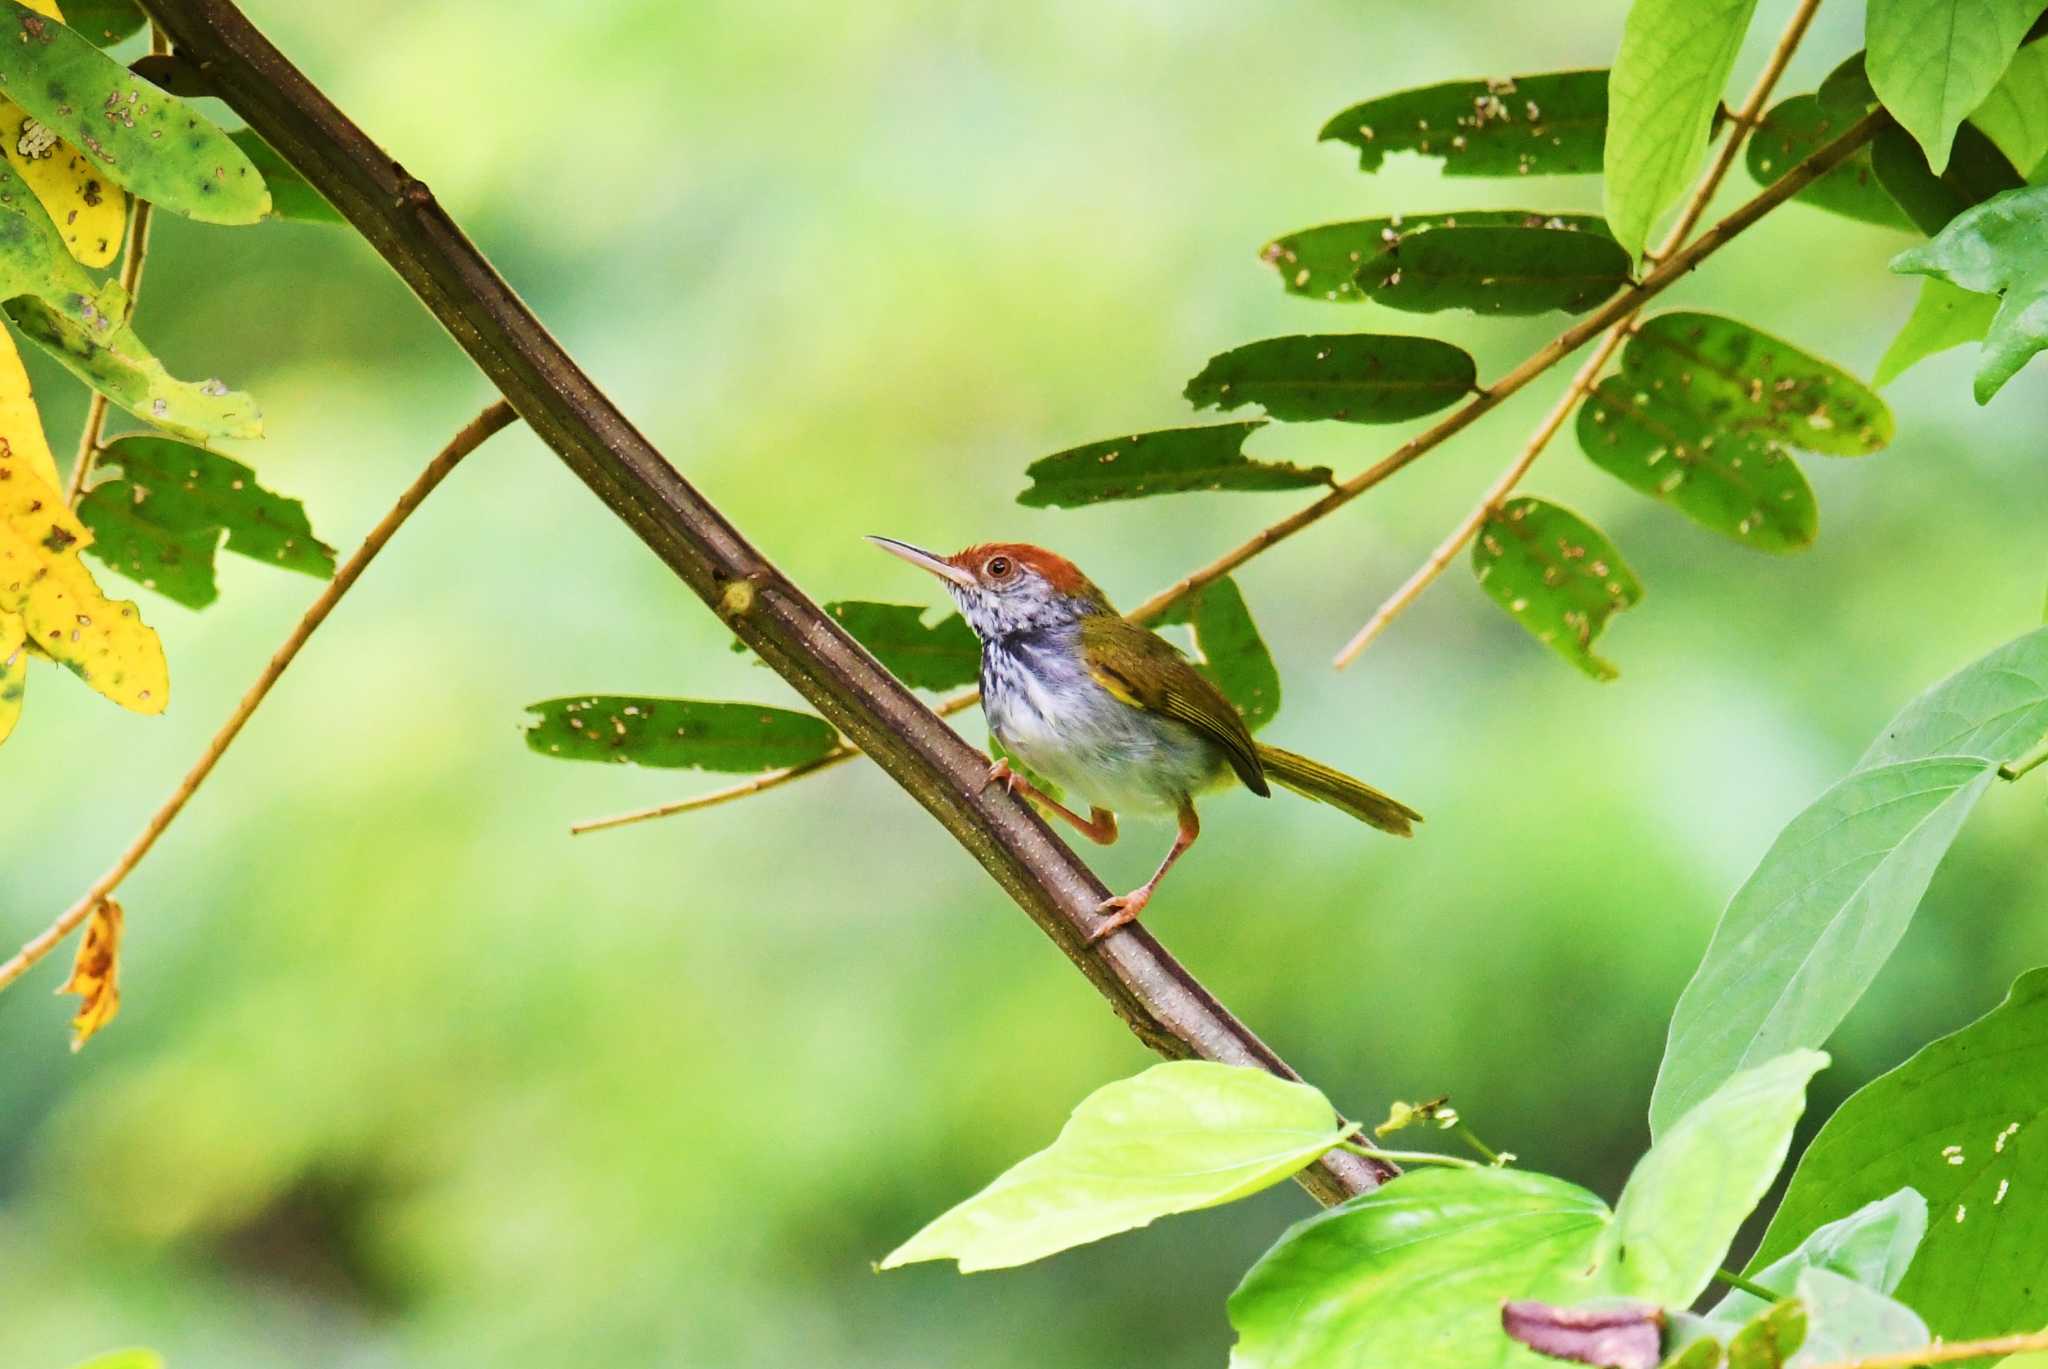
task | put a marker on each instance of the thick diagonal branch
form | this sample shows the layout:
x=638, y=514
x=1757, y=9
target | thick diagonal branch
x=398, y=216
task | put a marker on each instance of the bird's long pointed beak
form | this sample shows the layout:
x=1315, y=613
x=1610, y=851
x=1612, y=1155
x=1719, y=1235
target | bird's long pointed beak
x=918, y=556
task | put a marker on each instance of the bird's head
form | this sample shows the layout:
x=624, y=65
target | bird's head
x=1008, y=587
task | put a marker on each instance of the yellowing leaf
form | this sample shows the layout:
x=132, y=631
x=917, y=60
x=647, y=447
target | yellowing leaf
x=88, y=210
x=13, y=670
x=21, y=425
x=95, y=973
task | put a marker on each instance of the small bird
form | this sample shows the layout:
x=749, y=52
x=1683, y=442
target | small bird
x=1111, y=711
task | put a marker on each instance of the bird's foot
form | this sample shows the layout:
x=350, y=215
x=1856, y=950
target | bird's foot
x=1120, y=912
x=1001, y=773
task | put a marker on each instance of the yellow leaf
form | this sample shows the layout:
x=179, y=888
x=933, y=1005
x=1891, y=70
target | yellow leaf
x=21, y=426
x=13, y=670
x=88, y=210
x=42, y=580
x=95, y=974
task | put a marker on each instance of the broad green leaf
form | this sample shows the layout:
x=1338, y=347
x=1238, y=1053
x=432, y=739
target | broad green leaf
x=941, y=655
x=1743, y=380
x=1740, y=484
x=1999, y=247
x=1321, y=262
x=1508, y=270
x=2015, y=114
x=1809, y=930
x=1797, y=128
x=1976, y=172
x=1770, y=1340
x=125, y=1359
x=1873, y=1245
x=105, y=22
x=1993, y=709
x=1847, y=1321
x=1845, y=94
x=1233, y=655
x=13, y=671
x=1964, y=1121
x=291, y=195
x=1175, y=461
x=1553, y=124
x=160, y=148
x=1666, y=85
x=1934, y=61
x=1557, y=574
x=1943, y=317
x=1352, y=377
x=1181, y=1136
x=110, y=358
x=162, y=520
x=736, y=738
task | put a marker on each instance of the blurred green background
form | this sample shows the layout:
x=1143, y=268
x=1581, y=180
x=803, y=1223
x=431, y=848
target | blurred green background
x=406, y=1076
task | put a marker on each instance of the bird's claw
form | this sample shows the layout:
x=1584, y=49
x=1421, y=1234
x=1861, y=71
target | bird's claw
x=1001, y=773
x=1120, y=912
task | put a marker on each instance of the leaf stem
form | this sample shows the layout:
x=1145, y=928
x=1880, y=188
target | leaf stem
x=497, y=416
x=1755, y=1290
x=1471, y=1138
x=1583, y=380
x=1946, y=1352
x=2012, y=770
x=1409, y=1157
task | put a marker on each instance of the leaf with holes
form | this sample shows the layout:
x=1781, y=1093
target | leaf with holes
x=87, y=208
x=1976, y=172
x=1934, y=61
x=1943, y=317
x=96, y=973
x=1232, y=653
x=1557, y=575
x=292, y=196
x=157, y=146
x=1554, y=124
x=1509, y=270
x=161, y=521
x=1179, y=1137
x=1174, y=461
x=941, y=655
x=691, y=734
x=2015, y=114
x=1320, y=262
x=1350, y=377
x=1797, y=128
x=1999, y=247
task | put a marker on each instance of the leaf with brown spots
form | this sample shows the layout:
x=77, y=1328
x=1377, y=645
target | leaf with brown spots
x=735, y=738
x=88, y=208
x=96, y=973
x=1557, y=575
x=13, y=670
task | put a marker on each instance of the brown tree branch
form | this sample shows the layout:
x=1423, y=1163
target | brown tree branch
x=398, y=216
x=462, y=444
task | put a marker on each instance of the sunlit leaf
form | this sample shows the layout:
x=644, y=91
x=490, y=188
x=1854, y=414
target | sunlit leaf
x=1934, y=61
x=1666, y=85
x=1943, y=317
x=1351, y=377
x=736, y=738
x=1994, y=709
x=1976, y=172
x=1320, y=262
x=1874, y=1245
x=292, y=196
x=941, y=655
x=162, y=520
x=1964, y=1121
x=13, y=671
x=88, y=210
x=2015, y=114
x=1496, y=270
x=1181, y=1136
x=21, y=422
x=1551, y=124
x=1232, y=653
x=1175, y=461
x=1999, y=247
x=105, y=22
x=1846, y=1321
x=96, y=973
x=1771, y=1339
x=1556, y=574
x=1797, y=128
x=124, y=1359
x=153, y=143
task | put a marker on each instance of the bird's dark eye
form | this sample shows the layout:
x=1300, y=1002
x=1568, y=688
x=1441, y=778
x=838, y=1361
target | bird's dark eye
x=997, y=567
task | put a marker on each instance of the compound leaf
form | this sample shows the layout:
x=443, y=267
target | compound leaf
x=1557, y=575
x=1553, y=124
x=1351, y=377
x=1496, y=269
x=734, y=738
x=941, y=655
x=1322, y=262
x=1173, y=461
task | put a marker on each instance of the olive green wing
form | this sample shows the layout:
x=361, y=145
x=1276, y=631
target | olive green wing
x=1146, y=671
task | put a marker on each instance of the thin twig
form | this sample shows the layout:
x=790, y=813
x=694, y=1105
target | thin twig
x=462, y=444
x=1946, y=1352
x=1741, y=121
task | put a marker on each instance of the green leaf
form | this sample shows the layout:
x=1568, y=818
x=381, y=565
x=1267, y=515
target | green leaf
x=1965, y=1121
x=1233, y=655
x=1976, y=172
x=1704, y=1353
x=1320, y=262
x=156, y=145
x=113, y=360
x=943, y=655
x=125, y=1359
x=105, y=22
x=2015, y=114
x=1174, y=461
x=1771, y=1340
x=1797, y=128
x=1809, y=930
x=1742, y=485
x=1873, y=1245
x=161, y=522
x=1553, y=124
x=1558, y=575
x=292, y=196
x=1846, y=1321
x=735, y=738
x=1993, y=709
x=1665, y=87
x=1353, y=377
x=1998, y=247
x=1943, y=317
x=1181, y=1136
x=1934, y=61
x=1510, y=270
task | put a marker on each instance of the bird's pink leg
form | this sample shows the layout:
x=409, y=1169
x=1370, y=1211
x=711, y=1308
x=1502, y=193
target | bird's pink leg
x=1124, y=908
x=1099, y=826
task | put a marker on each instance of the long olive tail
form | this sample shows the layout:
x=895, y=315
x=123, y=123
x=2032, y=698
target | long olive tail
x=1314, y=780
